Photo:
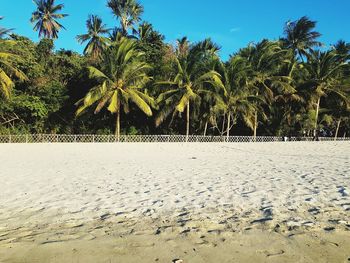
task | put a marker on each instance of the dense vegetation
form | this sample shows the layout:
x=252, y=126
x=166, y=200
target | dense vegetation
x=129, y=81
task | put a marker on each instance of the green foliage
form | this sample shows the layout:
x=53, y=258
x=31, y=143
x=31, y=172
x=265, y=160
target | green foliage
x=284, y=87
x=121, y=79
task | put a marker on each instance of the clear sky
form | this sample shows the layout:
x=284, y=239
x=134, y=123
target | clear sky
x=230, y=23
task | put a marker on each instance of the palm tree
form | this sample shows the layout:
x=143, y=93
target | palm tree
x=264, y=58
x=121, y=78
x=8, y=70
x=338, y=108
x=4, y=31
x=325, y=72
x=234, y=100
x=343, y=50
x=300, y=36
x=97, y=41
x=182, y=47
x=144, y=31
x=116, y=35
x=46, y=18
x=128, y=12
x=186, y=87
x=287, y=101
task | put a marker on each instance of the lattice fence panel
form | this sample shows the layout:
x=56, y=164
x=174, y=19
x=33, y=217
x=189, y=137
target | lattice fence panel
x=62, y=138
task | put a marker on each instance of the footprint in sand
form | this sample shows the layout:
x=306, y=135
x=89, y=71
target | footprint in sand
x=271, y=253
x=314, y=211
x=342, y=191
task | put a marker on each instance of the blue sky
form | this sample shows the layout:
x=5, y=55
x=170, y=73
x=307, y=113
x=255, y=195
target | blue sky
x=230, y=23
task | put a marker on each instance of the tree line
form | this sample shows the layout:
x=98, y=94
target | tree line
x=130, y=81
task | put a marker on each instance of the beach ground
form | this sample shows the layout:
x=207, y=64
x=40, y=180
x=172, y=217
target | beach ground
x=249, y=202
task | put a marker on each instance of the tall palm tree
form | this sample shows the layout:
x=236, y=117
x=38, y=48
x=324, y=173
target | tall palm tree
x=300, y=36
x=128, y=12
x=264, y=58
x=287, y=101
x=234, y=100
x=187, y=85
x=8, y=70
x=324, y=75
x=4, y=31
x=97, y=42
x=46, y=18
x=120, y=80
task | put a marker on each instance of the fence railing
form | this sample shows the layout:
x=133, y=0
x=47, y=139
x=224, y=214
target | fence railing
x=62, y=138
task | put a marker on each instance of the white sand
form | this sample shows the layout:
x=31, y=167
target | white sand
x=154, y=202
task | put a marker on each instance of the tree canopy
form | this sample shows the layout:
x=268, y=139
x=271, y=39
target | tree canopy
x=130, y=81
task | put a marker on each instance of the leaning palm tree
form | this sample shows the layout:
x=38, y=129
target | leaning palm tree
x=97, y=42
x=4, y=31
x=190, y=81
x=8, y=71
x=325, y=73
x=300, y=36
x=120, y=80
x=128, y=13
x=45, y=18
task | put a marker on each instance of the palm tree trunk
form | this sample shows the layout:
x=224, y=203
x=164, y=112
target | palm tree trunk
x=223, y=125
x=316, y=117
x=228, y=126
x=205, y=128
x=117, y=126
x=188, y=121
x=337, y=130
x=255, y=124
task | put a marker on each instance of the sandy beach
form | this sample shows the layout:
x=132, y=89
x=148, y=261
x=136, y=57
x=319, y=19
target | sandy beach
x=263, y=202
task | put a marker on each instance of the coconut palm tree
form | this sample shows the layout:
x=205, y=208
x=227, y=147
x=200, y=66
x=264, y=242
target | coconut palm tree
x=120, y=80
x=144, y=31
x=265, y=59
x=287, y=101
x=128, y=13
x=8, y=71
x=343, y=50
x=300, y=36
x=4, y=31
x=234, y=100
x=337, y=109
x=115, y=35
x=182, y=47
x=324, y=70
x=45, y=18
x=190, y=81
x=97, y=42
